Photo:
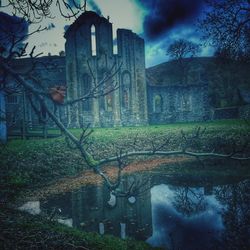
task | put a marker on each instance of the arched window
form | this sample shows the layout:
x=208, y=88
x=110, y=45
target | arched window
x=186, y=102
x=93, y=40
x=109, y=102
x=125, y=90
x=106, y=101
x=157, y=106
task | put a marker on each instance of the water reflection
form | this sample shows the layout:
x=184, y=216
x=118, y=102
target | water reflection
x=201, y=217
x=176, y=213
x=184, y=218
x=236, y=214
x=94, y=208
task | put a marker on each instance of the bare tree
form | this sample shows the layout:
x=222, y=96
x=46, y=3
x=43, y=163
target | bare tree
x=235, y=198
x=180, y=49
x=226, y=25
x=189, y=201
x=35, y=11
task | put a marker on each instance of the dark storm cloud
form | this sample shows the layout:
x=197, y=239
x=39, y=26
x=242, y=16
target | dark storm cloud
x=91, y=4
x=11, y=27
x=94, y=7
x=164, y=15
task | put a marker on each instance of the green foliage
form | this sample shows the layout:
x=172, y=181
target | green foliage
x=91, y=161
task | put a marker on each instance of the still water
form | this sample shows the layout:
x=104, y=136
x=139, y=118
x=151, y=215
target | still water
x=170, y=212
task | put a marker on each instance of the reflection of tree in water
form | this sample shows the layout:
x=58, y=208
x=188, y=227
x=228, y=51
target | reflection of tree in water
x=135, y=185
x=236, y=215
x=189, y=201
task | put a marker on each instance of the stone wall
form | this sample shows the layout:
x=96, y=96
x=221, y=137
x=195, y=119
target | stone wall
x=132, y=78
x=168, y=104
x=237, y=112
x=225, y=113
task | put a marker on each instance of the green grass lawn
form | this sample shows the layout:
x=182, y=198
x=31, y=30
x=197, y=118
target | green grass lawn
x=211, y=126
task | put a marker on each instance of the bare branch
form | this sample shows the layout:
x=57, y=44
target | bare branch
x=36, y=11
x=226, y=24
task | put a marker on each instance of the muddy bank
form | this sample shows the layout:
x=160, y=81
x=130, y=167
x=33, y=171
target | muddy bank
x=88, y=177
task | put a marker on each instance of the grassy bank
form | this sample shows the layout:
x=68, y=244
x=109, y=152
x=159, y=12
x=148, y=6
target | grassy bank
x=21, y=231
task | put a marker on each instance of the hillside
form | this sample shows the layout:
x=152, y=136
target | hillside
x=228, y=81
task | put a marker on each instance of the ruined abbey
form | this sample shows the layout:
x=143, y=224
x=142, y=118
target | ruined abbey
x=88, y=59
x=89, y=47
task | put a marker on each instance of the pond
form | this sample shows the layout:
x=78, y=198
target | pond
x=171, y=212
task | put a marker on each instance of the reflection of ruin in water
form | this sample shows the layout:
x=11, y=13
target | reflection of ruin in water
x=184, y=210
x=94, y=209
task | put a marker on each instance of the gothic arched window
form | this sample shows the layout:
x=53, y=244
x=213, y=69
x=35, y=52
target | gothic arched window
x=93, y=40
x=109, y=102
x=157, y=106
x=186, y=102
x=125, y=90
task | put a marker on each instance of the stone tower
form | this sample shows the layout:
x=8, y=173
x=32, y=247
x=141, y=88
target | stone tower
x=90, y=58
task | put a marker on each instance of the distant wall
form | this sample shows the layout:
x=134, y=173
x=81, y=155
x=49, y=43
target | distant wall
x=238, y=112
x=225, y=113
x=168, y=104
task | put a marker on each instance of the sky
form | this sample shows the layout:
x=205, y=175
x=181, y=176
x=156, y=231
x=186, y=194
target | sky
x=159, y=22
x=172, y=225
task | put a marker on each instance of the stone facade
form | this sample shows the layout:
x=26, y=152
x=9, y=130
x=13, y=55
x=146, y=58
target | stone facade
x=172, y=100
x=89, y=58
